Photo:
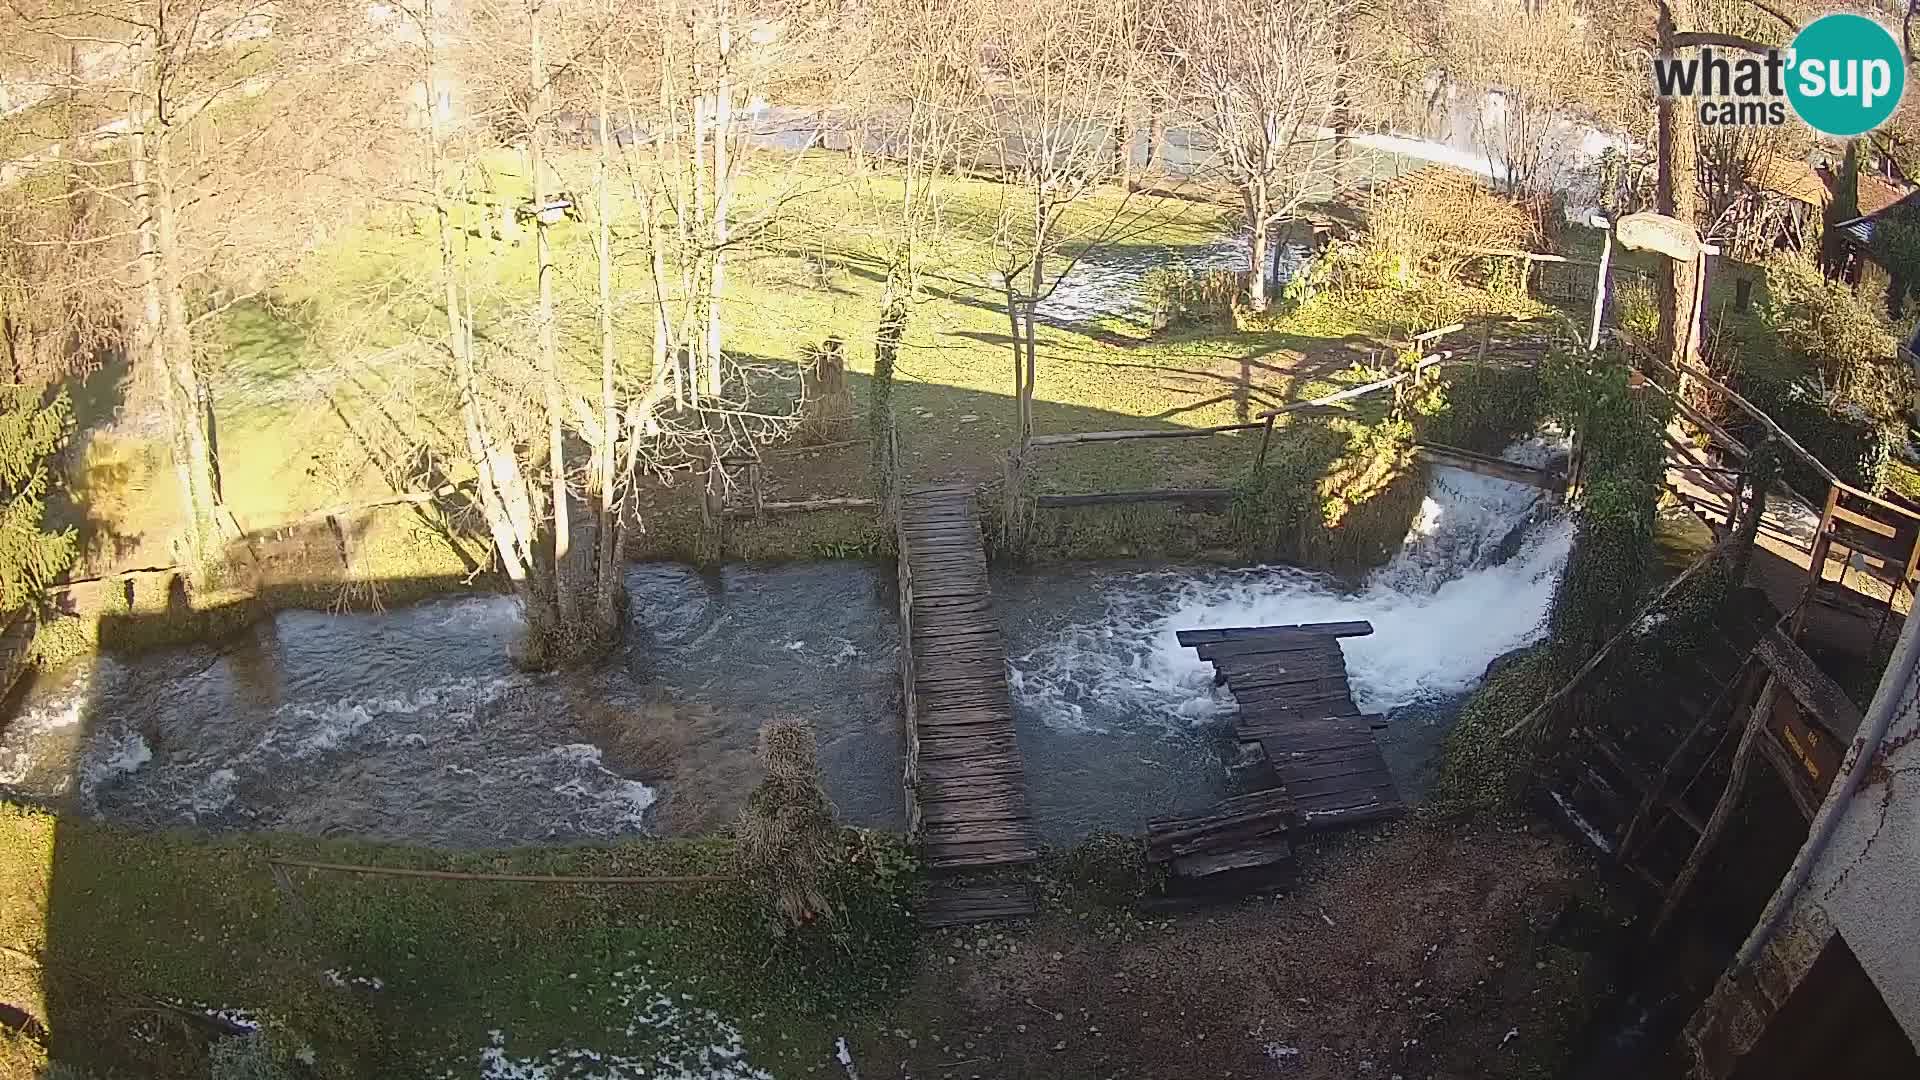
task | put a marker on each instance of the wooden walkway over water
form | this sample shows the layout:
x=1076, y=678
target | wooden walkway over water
x=1322, y=767
x=966, y=791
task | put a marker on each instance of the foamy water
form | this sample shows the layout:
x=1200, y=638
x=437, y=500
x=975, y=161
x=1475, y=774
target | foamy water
x=1473, y=580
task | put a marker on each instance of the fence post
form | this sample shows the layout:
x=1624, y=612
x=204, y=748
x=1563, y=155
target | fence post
x=1266, y=439
x=1486, y=336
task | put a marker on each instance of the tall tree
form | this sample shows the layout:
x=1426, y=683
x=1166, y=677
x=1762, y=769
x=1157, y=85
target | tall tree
x=210, y=165
x=1264, y=85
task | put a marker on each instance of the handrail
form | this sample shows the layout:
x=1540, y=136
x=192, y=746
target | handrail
x=1754, y=411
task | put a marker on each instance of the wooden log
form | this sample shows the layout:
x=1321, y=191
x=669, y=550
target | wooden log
x=1078, y=438
x=1108, y=498
x=801, y=506
x=1454, y=457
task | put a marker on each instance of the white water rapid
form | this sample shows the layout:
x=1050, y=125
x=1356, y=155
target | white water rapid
x=1472, y=581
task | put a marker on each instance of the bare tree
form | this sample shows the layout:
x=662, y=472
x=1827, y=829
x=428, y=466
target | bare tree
x=1263, y=84
x=196, y=175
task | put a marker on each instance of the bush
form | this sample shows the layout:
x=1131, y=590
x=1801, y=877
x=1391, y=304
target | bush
x=1623, y=460
x=1176, y=296
x=1839, y=334
x=1855, y=445
x=1480, y=408
x=247, y=1057
x=1337, y=496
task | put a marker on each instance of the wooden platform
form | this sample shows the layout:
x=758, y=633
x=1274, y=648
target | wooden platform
x=1241, y=844
x=1291, y=684
x=966, y=905
x=966, y=792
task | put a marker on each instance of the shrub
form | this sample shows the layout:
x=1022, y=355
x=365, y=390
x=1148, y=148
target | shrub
x=1480, y=408
x=246, y=1057
x=1838, y=333
x=1855, y=445
x=1177, y=296
x=1338, y=495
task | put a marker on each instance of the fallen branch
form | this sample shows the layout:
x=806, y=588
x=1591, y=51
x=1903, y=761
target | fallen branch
x=530, y=879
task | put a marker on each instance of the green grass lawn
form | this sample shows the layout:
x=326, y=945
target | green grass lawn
x=117, y=937
x=336, y=370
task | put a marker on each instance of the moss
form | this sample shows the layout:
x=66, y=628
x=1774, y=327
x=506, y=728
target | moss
x=1337, y=496
x=1481, y=408
x=1481, y=772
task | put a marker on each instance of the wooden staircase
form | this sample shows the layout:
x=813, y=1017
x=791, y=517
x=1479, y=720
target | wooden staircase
x=1640, y=778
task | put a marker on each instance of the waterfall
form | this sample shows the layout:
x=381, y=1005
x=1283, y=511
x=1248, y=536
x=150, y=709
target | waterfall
x=1472, y=580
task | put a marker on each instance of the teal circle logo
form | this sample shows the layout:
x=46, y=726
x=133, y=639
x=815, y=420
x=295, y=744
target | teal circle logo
x=1845, y=74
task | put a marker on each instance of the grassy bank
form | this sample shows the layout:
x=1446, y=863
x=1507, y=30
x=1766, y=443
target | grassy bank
x=116, y=939
x=119, y=939
x=327, y=391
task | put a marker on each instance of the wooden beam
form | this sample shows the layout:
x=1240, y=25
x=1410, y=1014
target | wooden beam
x=1715, y=432
x=1107, y=498
x=1587, y=669
x=1485, y=465
x=801, y=506
x=1821, y=696
x=1753, y=410
x=1077, y=438
x=1356, y=628
x=1723, y=809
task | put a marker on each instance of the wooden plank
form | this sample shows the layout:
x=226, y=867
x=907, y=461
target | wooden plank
x=1498, y=468
x=1041, y=442
x=1356, y=628
x=1114, y=498
x=1823, y=698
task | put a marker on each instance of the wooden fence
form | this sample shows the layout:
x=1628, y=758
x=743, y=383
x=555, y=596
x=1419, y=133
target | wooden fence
x=1016, y=475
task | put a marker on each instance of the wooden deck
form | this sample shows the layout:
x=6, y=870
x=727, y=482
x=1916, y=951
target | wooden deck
x=1291, y=684
x=966, y=792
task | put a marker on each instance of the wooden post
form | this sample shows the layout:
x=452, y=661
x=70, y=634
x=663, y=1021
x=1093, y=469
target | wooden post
x=1526, y=276
x=1266, y=439
x=1600, y=289
x=759, y=493
x=1486, y=338
x=1816, y=568
x=1656, y=795
x=1722, y=810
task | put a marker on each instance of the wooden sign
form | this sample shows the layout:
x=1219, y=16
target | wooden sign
x=1814, y=753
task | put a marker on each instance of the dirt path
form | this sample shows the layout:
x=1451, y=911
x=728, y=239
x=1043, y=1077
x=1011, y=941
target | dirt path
x=1423, y=951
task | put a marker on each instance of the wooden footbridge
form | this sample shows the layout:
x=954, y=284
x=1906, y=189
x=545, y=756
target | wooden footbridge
x=966, y=792
x=1321, y=766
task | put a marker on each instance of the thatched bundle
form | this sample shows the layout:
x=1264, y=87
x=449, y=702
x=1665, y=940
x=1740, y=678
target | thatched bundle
x=787, y=831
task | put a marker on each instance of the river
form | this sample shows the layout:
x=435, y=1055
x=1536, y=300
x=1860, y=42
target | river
x=413, y=725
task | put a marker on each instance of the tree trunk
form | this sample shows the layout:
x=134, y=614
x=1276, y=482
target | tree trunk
x=607, y=570
x=1677, y=196
x=1257, y=208
x=722, y=194
x=166, y=339
x=566, y=598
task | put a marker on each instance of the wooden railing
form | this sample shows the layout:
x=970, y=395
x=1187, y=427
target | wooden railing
x=1264, y=423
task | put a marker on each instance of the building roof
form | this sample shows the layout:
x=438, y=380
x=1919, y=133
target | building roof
x=1878, y=193
x=1859, y=230
x=1794, y=179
